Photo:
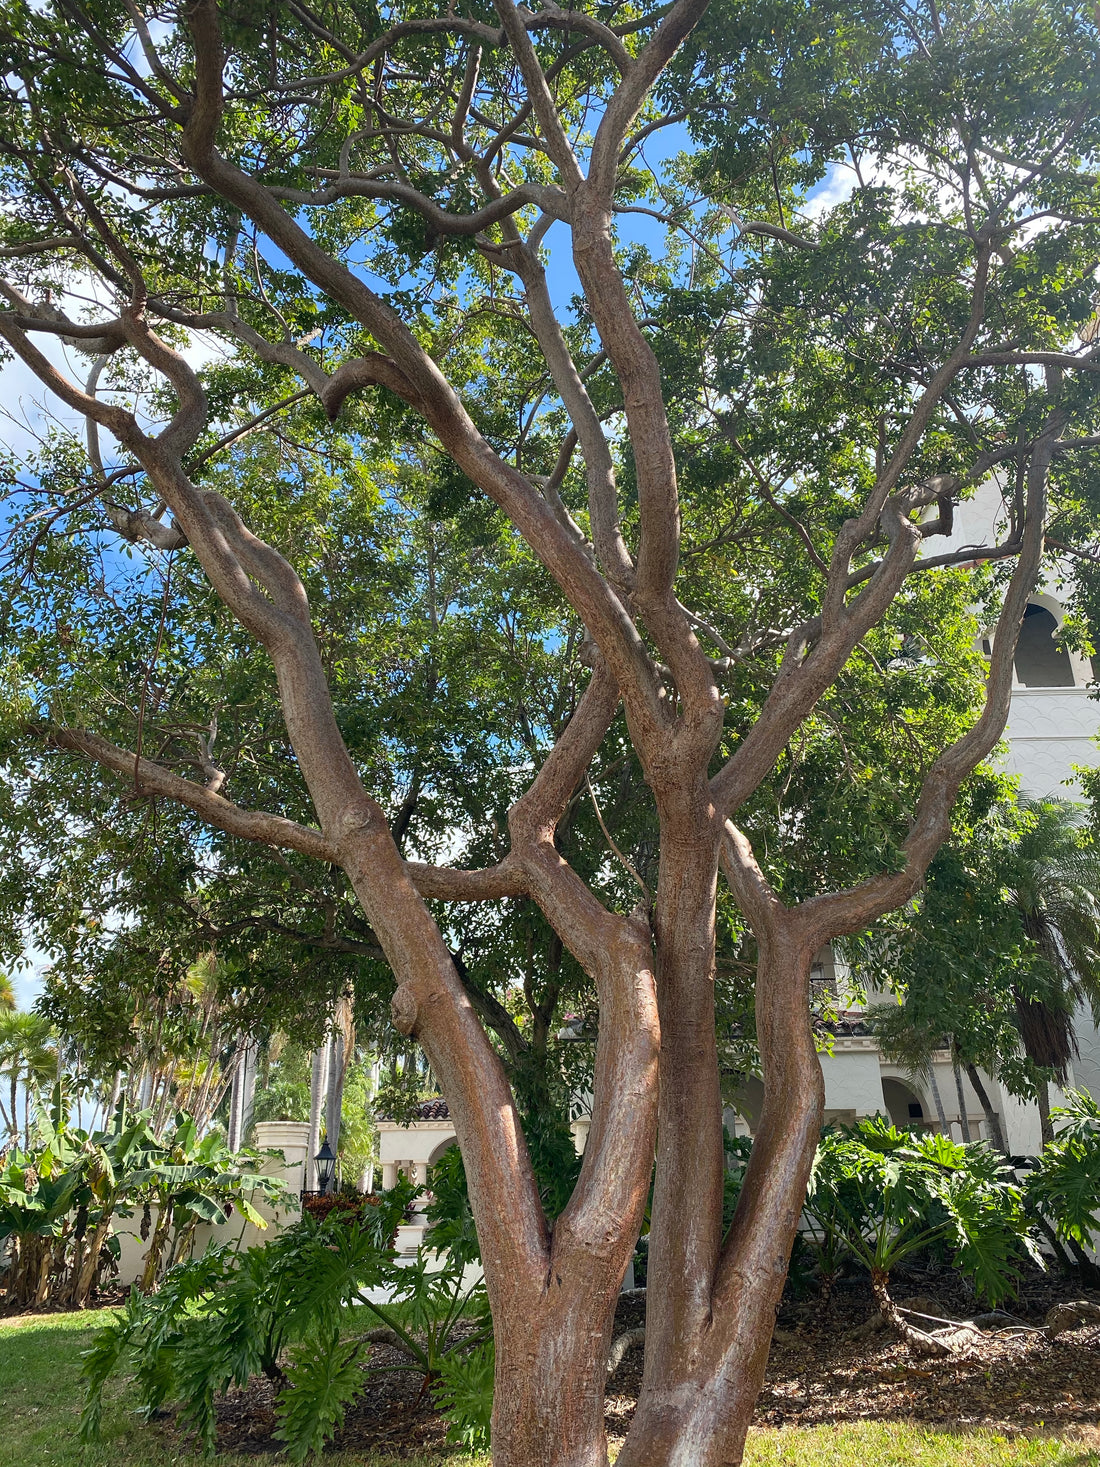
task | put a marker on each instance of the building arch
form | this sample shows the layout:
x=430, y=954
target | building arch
x=440, y=1151
x=905, y=1105
x=1041, y=662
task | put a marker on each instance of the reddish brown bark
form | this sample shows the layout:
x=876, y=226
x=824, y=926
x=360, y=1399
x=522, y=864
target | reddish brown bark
x=707, y=1344
x=711, y=1299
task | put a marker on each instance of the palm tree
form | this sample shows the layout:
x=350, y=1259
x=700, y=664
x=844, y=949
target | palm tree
x=7, y=992
x=1052, y=881
x=29, y=1058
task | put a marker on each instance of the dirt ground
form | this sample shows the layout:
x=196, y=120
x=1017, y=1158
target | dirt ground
x=1019, y=1381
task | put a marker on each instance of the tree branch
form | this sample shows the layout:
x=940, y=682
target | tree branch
x=845, y=911
x=148, y=778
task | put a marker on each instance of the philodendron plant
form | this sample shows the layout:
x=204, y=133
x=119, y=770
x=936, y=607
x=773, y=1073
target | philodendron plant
x=879, y=1195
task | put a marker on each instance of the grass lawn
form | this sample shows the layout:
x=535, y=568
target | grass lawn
x=40, y=1398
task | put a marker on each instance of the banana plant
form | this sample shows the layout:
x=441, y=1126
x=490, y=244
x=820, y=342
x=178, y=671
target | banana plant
x=37, y=1190
x=189, y=1180
x=109, y=1159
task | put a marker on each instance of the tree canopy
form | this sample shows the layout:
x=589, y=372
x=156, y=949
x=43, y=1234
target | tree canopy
x=511, y=473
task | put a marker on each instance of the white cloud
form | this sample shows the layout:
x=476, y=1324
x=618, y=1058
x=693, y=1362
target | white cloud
x=838, y=185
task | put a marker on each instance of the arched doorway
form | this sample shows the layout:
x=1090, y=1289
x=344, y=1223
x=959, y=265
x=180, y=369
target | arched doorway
x=441, y=1150
x=904, y=1105
x=1040, y=661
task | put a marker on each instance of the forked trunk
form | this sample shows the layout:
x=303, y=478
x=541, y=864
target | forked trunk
x=702, y=1379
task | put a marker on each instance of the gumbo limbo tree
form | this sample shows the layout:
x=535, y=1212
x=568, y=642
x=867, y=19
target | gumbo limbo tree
x=833, y=266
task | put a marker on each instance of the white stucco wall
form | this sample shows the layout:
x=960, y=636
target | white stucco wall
x=1086, y=1066
x=853, y=1082
x=287, y=1137
x=412, y=1148
x=1049, y=731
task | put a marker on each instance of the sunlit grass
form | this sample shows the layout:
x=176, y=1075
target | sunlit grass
x=907, y=1444
x=41, y=1394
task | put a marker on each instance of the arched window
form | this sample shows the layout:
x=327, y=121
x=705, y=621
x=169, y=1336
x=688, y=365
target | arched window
x=1040, y=661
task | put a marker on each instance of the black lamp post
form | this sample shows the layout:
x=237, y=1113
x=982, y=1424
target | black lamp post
x=326, y=1168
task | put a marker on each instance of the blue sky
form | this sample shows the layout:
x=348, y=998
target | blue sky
x=26, y=404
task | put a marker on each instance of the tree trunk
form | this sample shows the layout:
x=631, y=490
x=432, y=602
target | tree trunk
x=241, y=1094
x=156, y=1247
x=1046, y=1126
x=233, y=1126
x=993, y=1120
x=42, y=1281
x=248, y=1088
x=548, y=1405
x=937, y=1098
x=707, y=1341
x=318, y=1084
x=17, y=1267
x=85, y=1275
x=960, y=1094
x=334, y=1096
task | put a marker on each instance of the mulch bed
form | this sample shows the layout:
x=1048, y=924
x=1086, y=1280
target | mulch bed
x=1021, y=1382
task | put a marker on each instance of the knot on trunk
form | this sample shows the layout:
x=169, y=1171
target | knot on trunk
x=404, y=1009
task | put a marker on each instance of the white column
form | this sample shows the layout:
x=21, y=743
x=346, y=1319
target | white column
x=389, y=1174
x=420, y=1169
x=317, y=1087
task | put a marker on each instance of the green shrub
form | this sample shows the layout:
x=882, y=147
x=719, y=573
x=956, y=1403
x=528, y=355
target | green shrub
x=465, y=1396
x=1065, y=1185
x=878, y=1196
x=291, y=1310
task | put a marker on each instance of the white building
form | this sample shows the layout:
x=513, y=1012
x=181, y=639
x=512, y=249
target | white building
x=1052, y=727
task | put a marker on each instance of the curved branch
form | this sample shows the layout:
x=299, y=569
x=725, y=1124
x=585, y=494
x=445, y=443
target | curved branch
x=599, y=467
x=149, y=778
x=838, y=912
x=1090, y=363
x=802, y=679
x=550, y=200
x=603, y=612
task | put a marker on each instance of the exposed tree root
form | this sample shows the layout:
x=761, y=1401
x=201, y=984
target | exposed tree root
x=1064, y=1317
x=619, y=1348
x=957, y=1338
